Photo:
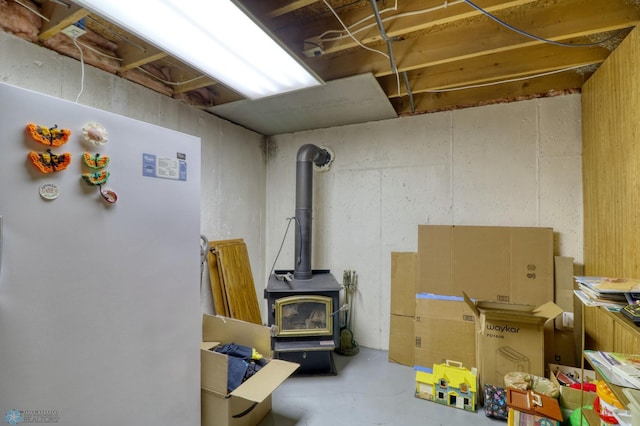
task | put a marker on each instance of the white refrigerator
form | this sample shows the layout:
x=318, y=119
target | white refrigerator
x=100, y=319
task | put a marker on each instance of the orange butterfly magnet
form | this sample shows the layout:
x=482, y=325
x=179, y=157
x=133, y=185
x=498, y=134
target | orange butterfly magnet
x=51, y=136
x=48, y=162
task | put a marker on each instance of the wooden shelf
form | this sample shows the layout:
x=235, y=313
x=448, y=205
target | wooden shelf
x=617, y=390
x=603, y=330
x=610, y=331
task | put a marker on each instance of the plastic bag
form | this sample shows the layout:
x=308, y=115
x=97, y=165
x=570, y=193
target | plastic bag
x=526, y=381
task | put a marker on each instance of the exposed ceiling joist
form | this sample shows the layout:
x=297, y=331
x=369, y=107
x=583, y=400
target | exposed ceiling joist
x=59, y=18
x=448, y=54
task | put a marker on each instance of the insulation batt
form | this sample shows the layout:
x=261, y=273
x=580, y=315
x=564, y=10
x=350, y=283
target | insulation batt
x=18, y=20
x=100, y=42
x=63, y=44
x=204, y=97
x=139, y=77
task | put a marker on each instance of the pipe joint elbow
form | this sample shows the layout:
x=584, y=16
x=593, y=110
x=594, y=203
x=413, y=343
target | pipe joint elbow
x=314, y=154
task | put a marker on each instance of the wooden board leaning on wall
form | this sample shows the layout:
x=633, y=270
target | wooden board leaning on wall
x=232, y=285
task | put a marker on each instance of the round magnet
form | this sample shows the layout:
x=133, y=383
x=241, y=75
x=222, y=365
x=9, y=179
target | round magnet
x=49, y=191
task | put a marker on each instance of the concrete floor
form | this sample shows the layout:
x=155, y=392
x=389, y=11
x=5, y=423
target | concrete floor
x=368, y=390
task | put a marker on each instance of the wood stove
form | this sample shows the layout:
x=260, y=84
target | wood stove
x=304, y=319
x=302, y=303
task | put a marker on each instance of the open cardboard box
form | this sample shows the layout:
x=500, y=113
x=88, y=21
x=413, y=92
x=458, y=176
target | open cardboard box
x=444, y=330
x=510, y=338
x=570, y=398
x=251, y=401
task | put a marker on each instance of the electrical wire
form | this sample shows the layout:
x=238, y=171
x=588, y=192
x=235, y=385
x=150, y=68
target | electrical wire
x=100, y=53
x=362, y=45
x=75, y=41
x=282, y=244
x=61, y=3
x=120, y=36
x=452, y=3
x=350, y=34
x=389, y=18
x=171, y=83
x=535, y=37
x=365, y=19
x=474, y=86
x=35, y=12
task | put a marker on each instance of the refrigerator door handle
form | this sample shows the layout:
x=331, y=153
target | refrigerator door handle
x=0, y=245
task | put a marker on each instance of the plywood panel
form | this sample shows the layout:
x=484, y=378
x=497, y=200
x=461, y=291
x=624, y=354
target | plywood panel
x=626, y=338
x=217, y=291
x=610, y=331
x=598, y=329
x=236, y=278
x=611, y=164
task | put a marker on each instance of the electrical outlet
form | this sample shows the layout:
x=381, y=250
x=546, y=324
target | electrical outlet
x=313, y=52
x=73, y=31
x=567, y=319
x=313, y=47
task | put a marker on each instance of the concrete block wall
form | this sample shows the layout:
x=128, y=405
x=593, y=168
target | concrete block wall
x=516, y=164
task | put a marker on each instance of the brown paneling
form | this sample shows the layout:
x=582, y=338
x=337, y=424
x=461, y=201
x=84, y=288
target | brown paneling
x=611, y=164
x=598, y=330
x=626, y=338
x=220, y=304
x=232, y=285
x=233, y=262
x=609, y=331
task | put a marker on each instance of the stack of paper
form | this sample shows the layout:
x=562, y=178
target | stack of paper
x=612, y=293
x=619, y=369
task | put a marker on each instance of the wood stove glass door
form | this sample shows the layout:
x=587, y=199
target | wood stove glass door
x=304, y=316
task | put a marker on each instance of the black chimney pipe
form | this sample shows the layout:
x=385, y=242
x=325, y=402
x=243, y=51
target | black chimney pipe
x=308, y=155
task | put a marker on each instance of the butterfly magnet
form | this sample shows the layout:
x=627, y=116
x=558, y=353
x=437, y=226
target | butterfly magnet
x=48, y=162
x=95, y=162
x=51, y=136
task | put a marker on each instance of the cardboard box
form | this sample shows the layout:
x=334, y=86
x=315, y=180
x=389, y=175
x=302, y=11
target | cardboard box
x=570, y=399
x=559, y=346
x=564, y=348
x=508, y=264
x=445, y=329
x=401, y=340
x=564, y=286
x=251, y=401
x=510, y=337
x=403, y=283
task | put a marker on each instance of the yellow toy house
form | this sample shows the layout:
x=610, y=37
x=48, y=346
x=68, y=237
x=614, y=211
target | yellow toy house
x=449, y=383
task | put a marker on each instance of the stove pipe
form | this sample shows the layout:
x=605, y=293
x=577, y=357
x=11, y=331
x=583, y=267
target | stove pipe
x=308, y=155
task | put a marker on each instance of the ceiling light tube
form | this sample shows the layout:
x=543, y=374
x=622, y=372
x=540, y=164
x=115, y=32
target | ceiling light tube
x=215, y=37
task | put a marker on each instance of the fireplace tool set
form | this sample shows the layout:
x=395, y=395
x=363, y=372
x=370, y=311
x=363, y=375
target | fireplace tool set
x=348, y=345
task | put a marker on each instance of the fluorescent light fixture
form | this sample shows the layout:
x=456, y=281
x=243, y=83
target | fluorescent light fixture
x=215, y=37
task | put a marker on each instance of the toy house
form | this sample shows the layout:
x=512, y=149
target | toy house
x=449, y=383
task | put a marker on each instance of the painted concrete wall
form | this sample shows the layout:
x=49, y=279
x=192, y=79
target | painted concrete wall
x=516, y=164
x=233, y=163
